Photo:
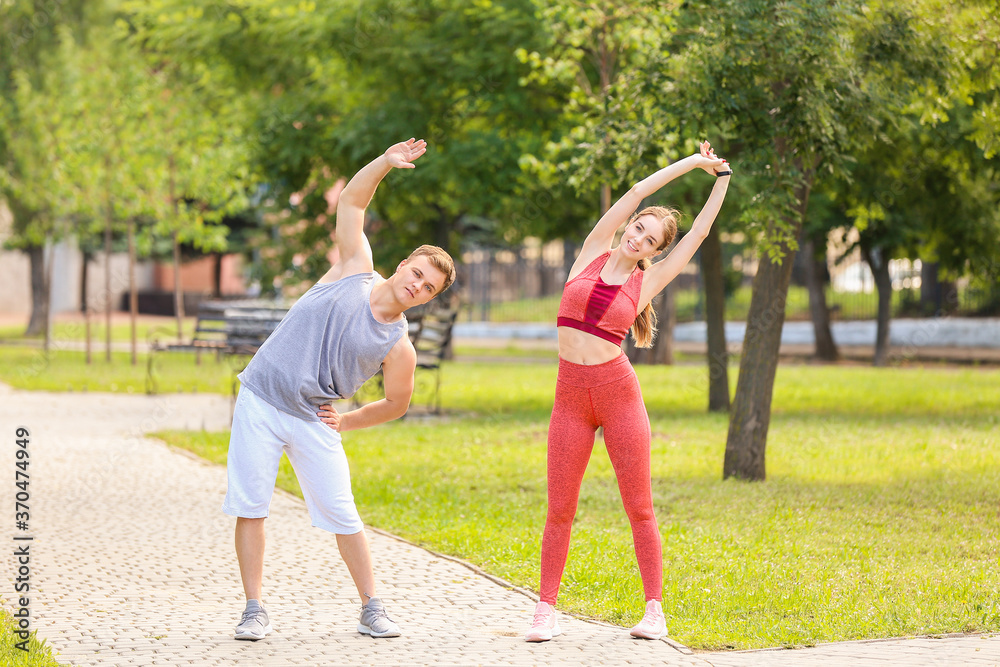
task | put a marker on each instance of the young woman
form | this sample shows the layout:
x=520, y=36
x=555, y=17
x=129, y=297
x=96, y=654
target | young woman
x=608, y=291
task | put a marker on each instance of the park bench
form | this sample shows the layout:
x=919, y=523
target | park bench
x=234, y=329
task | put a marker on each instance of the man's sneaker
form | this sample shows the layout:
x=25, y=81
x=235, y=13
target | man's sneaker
x=544, y=625
x=254, y=624
x=375, y=622
x=653, y=625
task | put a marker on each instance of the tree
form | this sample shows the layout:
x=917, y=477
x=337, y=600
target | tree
x=715, y=321
x=29, y=51
x=781, y=81
x=822, y=217
x=193, y=162
x=33, y=180
x=923, y=189
x=929, y=194
x=332, y=84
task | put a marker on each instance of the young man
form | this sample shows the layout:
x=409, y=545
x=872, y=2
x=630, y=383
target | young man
x=335, y=337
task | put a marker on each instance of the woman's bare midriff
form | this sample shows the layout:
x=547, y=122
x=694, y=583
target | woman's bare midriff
x=579, y=347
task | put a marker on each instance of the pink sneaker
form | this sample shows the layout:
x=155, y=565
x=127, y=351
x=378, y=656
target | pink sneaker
x=653, y=625
x=544, y=626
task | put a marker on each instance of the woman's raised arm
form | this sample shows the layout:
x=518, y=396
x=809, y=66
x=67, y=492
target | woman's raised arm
x=600, y=238
x=660, y=274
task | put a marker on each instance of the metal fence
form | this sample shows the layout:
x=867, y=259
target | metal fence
x=524, y=285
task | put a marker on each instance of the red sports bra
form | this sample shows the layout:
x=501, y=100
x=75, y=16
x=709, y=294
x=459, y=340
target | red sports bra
x=591, y=305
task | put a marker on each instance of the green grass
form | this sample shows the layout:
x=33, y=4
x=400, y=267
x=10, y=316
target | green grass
x=67, y=370
x=878, y=518
x=163, y=328
x=508, y=351
x=39, y=654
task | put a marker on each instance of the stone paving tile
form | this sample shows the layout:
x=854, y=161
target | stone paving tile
x=133, y=564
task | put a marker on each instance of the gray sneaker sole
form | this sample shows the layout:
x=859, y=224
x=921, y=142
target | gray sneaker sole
x=249, y=636
x=365, y=630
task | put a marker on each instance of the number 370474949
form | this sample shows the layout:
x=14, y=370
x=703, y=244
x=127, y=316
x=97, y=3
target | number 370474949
x=21, y=477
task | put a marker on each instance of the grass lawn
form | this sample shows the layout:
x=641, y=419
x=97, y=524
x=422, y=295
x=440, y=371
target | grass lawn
x=67, y=370
x=39, y=654
x=163, y=328
x=879, y=517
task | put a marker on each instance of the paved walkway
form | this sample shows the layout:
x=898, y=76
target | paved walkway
x=132, y=564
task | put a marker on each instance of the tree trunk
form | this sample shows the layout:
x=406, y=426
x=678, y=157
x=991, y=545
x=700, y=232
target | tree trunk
x=107, y=285
x=217, y=275
x=814, y=256
x=544, y=275
x=751, y=412
x=715, y=321
x=569, y=257
x=878, y=261
x=178, y=288
x=442, y=239
x=936, y=296
x=949, y=297
x=605, y=198
x=85, y=304
x=84, y=276
x=133, y=293
x=668, y=321
x=442, y=231
x=49, y=267
x=930, y=289
x=40, y=297
x=662, y=349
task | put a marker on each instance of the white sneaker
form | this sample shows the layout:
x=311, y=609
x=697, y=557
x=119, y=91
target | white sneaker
x=653, y=625
x=544, y=625
x=375, y=622
x=254, y=624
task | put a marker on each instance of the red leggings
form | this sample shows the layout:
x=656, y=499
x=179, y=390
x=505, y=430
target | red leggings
x=587, y=397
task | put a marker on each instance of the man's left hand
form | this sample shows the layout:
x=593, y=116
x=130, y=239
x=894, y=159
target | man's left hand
x=329, y=416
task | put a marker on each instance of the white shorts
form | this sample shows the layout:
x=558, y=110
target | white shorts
x=260, y=434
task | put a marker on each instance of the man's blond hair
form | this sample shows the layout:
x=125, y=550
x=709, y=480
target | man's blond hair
x=440, y=260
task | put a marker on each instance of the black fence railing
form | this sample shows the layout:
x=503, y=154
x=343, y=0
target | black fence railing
x=524, y=285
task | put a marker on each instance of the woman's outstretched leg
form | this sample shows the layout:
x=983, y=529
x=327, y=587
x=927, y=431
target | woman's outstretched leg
x=626, y=435
x=570, y=443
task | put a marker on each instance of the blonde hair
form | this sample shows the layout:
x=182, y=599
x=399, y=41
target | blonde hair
x=440, y=260
x=644, y=327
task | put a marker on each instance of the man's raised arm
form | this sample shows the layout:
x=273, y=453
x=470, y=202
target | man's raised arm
x=355, y=252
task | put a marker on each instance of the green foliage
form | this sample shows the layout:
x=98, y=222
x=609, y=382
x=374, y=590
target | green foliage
x=877, y=519
x=39, y=654
x=599, y=62
x=780, y=81
x=334, y=84
x=601, y=59
x=922, y=187
x=530, y=108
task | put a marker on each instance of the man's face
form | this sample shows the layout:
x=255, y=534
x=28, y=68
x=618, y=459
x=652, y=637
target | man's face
x=417, y=281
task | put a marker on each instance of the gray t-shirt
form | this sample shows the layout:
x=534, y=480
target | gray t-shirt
x=328, y=344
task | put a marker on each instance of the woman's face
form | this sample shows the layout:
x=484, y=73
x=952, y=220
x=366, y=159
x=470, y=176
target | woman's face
x=642, y=238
